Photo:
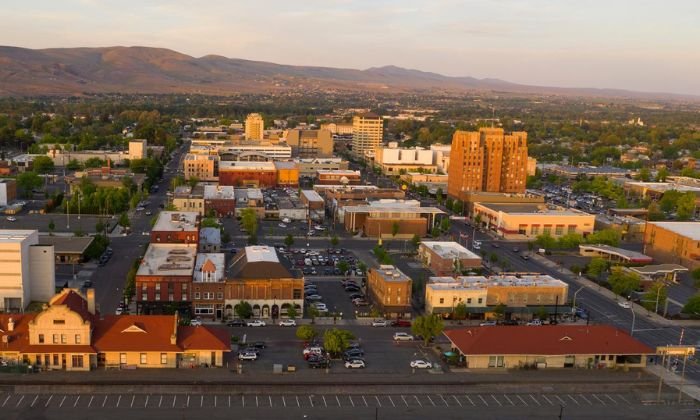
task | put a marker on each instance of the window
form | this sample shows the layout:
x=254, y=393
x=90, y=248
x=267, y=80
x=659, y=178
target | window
x=41, y=338
x=442, y=300
x=196, y=295
x=55, y=338
x=144, y=296
x=220, y=295
x=547, y=230
x=157, y=287
x=469, y=300
x=122, y=358
x=55, y=360
x=534, y=230
x=164, y=358
x=77, y=361
x=77, y=339
x=296, y=294
x=559, y=230
x=64, y=339
x=481, y=300
x=143, y=358
x=59, y=322
x=572, y=229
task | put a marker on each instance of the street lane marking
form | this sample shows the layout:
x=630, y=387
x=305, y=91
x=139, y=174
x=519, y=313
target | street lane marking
x=596, y=397
x=118, y=401
x=496, y=399
x=585, y=399
x=470, y=400
x=573, y=399
x=20, y=401
x=62, y=401
x=417, y=400
x=392, y=401
x=363, y=399
x=560, y=400
x=548, y=400
x=90, y=403
x=48, y=401
x=482, y=399
x=535, y=399
x=455, y=398
x=380, y=404
x=506, y=397
x=521, y=399
x=610, y=398
x=34, y=402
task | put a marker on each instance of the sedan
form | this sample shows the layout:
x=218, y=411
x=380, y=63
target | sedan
x=11, y=219
x=380, y=323
x=236, y=323
x=288, y=323
x=625, y=305
x=248, y=356
x=355, y=364
x=195, y=322
x=421, y=364
x=315, y=298
x=282, y=225
x=402, y=336
x=255, y=323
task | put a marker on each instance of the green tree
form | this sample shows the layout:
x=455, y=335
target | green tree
x=457, y=207
x=363, y=267
x=43, y=164
x=94, y=162
x=289, y=240
x=596, y=268
x=449, y=202
x=335, y=340
x=313, y=313
x=73, y=165
x=606, y=236
x=445, y=225
x=657, y=292
x=500, y=310
x=460, y=311
x=428, y=327
x=52, y=226
x=685, y=206
x=124, y=220
x=306, y=332
x=546, y=241
x=395, y=228
x=335, y=241
x=661, y=175
x=292, y=312
x=244, y=310
x=654, y=212
x=542, y=313
x=696, y=277
x=435, y=232
x=439, y=196
x=415, y=241
x=249, y=220
x=343, y=266
x=569, y=241
x=692, y=306
x=209, y=222
x=644, y=175
x=28, y=181
x=622, y=282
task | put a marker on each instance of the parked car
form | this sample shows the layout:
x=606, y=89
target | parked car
x=312, y=350
x=402, y=336
x=248, y=356
x=236, y=323
x=624, y=304
x=525, y=257
x=355, y=364
x=354, y=296
x=380, y=323
x=255, y=323
x=259, y=345
x=360, y=302
x=314, y=298
x=195, y=322
x=488, y=324
x=400, y=323
x=421, y=364
x=287, y=323
x=319, y=363
x=118, y=311
x=535, y=323
x=282, y=225
x=353, y=353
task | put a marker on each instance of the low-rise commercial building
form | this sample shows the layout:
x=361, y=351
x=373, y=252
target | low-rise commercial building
x=673, y=242
x=522, y=296
x=176, y=227
x=314, y=202
x=472, y=197
x=67, y=249
x=554, y=346
x=338, y=177
x=208, y=286
x=8, y=191
x=221, y=199
x=390, y=290
x=614, y=254
x=256, y=150
x=287, y=174
x=395, y=161
x=309, y=167
x=250, y=198
x=164, y=278
x=203, y=167
x=189, y=199
x=527, y=221
x=28, y=270
x=209, y=239
x=390, y=218
x=257, y=276
x=247, y=174
x=443, y=258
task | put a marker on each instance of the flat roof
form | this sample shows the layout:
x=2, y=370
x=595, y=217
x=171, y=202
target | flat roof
x=532, y=208
x=449, y=249
x=219, y=192
x=210, y=235
x=393, y=209
x=482, y=282
x=338, y=172
x=391, y=273
x=67, y=244
x=664, y=186
x=168, y=260
x=626, y=254
x=217, y=261
x=8, y=235
x=659, y=269
x=176, y=221
x=285, y=165
x=688, y=229
x=245, y=165
x=261, y=253
x=312, y=195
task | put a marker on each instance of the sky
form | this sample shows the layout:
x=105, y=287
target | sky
x=642, y=45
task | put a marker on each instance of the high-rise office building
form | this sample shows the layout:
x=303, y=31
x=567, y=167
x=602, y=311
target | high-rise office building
x=254, y=127
x=487, y=160
x=367, y=132
x=310, y=143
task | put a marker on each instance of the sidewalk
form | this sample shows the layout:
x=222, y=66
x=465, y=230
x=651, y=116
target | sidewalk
x=673, y=380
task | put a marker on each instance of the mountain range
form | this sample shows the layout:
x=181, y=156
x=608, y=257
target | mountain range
x=77, y=71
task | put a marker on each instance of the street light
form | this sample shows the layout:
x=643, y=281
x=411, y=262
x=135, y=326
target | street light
x=573, y=304
x=633, y=320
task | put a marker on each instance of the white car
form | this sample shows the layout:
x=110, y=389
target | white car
x=319, y=305
x=248, y=356
x=380, y=323
x=314, y=298
x=286, y=220
x=624, y=304
x=196, y=322
x=319, y=228
x=282, y=225
x=288, y=323
x=119, y=311
x=355, y=364
x=11, y=219
x=488, y=324
x=535, y=323
x=312, y=350
x=421, y=364
x=255, y=323
x=402, y=336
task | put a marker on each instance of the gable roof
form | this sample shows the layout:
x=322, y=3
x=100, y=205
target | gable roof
x=545, y=340
x=74, y=301
x=259, y=262
x=16, y=339
x=135, y=333
x=208, y=267
x=203, y=338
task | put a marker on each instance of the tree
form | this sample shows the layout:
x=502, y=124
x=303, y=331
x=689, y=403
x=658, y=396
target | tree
x=457, y=207
x=569, y=241
x=655, y=296
x=306, y=332
x=546, y=241
x=249, y=220
x=623, y=283
x=94, y=162
x=654, y=213
x=449, y=203
x=415, y=241
x=343, y=266
x=435, y=232
x=685, y=207
x=395, y=228
x=52, y=226
x=661, y=175
x=313, y=313
x=428, y=327
x=439, y=196
x=244, y=310
x=460, y=311
x=292, y=312
x=606, y=236
x=596, y=268
x=335, y=241
x=500, y=310
x=43, y=164
x=73, y=165
x=28, y=181
x=335, y=340
x=644, y=175
x=289, y=240
x=692, y=306
x=124, y=220
x=541, y=313
x=696, y=277
x=445, y=225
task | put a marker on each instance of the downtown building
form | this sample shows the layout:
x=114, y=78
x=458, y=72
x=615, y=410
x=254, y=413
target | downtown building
x=367, y=133
x=487, y=160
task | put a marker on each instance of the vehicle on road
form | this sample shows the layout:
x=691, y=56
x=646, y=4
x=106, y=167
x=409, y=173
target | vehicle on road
x=360, y=302
x=421, y=364
x=236, y=323
x=516, y=249
x=355, y=364
x=286, y=220
x=287, y=323
x=11, y=219
x=195, y=322
x=624, y=304
x=495, y=245
x=525, y=257
x=148, y=213
x=402, y=336
x=535, y=323
x=119, y=311
x=282, y=225
x=248, y=356
x=380, y=323
x=255, y=323
x=488, y=324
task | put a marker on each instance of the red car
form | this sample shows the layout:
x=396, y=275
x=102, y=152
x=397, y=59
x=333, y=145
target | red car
x=401, y=323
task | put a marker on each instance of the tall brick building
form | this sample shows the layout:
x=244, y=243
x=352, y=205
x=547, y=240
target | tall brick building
x=487, y=160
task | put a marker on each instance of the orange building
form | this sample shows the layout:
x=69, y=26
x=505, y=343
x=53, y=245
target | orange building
x=673, y=242
x=390, y=289
x=487, y=160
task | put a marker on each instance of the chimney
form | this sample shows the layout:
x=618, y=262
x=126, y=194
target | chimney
x=91, y=300
x=10, y=325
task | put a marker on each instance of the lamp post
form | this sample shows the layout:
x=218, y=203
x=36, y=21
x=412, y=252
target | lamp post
x=573, y=304
x=80, y=199
x=67, y=213
x=633, y=320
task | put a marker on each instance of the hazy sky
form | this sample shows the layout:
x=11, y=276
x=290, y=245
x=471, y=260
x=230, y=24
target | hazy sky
x=646, y=45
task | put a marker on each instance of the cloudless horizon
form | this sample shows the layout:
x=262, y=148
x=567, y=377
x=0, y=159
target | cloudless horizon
x=642, y=45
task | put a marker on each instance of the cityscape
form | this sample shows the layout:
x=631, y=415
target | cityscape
x=190, y=235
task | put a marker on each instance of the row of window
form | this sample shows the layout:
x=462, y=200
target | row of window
x=546, y=230
x=143, y=358
x=208, y=295
x=60, y=339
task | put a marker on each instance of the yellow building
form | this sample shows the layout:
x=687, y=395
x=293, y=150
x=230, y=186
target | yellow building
x=390, y=289
x=201, y=167
x=138, y=149
x=254, y=127
x=69, y=334
x=367, y=133
x=529, y=220
x=673, y=242
x=287, y=173
x=310, y=143
x=186, y=198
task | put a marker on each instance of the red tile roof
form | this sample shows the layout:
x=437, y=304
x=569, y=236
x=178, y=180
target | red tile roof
x=74, y=301
x=17, y=339
x=545, y=340
x=134, y=333
x=203, y=338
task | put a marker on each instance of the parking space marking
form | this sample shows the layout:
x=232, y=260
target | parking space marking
x=118, y=401
x=351, y=401
x=509, y=400
x=585, y=399
x=62, y=401
x=229, y=401
x=160, y=401
x=560, y=400
x=535, y=400
x=324, y=400
x=611, y=399
x=443, y=400
x=34, y=402
x=188, y=401
x=417, y=400
x=521, y=399
x=596, y=397
x=363, y=399
x=297, y=397
x=269, y=396
x=496, y=399
x=573, y=399
x=75, y=404
x=6, y=399
x=243, y=400
x=404, y=400
x=482, y=399
x=133, y=398
x=258, y=405
x=456, y=400
x=90, y=403
x=48, y=401
x=623, y=398
x=548, y=400
x=338, y=401
x=310, y=400
x=431, y=400
x=20, y=401
x=392, y=402
x=174, y=400
x=146, y=403
x=470, y=401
